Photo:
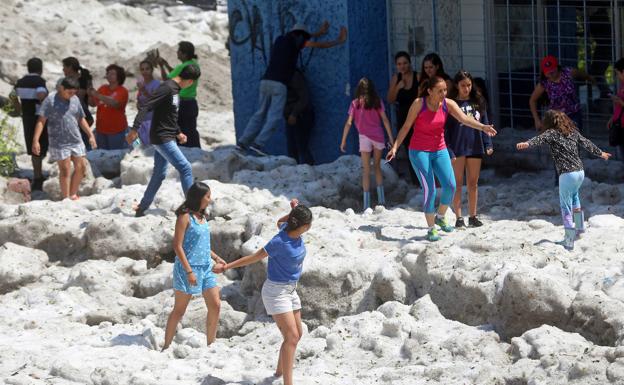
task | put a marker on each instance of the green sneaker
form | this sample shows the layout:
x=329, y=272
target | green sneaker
x=432, y=235
x=444, y=226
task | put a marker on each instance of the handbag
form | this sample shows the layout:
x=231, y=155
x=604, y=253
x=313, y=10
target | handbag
x=616, y=134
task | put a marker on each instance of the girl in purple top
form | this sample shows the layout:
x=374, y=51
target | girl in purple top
x=558, y=83
x=146, y=85
x=368, y=112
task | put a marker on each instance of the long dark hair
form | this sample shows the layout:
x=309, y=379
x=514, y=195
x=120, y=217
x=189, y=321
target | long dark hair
x=427, y=84
x=299, y=216
x=475, y=96
x=366, y=90
x=73, y=63
x=192, y=203
x=404, y=54
x=434, y=58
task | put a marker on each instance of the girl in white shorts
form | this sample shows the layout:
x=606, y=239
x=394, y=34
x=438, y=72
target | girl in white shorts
x=286, y=252
x=367, y=111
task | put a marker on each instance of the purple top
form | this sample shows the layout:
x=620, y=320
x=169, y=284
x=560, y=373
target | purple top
x=562, y=94
x=144, y=128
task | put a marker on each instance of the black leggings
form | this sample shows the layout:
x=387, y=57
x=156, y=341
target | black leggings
x=187, y=120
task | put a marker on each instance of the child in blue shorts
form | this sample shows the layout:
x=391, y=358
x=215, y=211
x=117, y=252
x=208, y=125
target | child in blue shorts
x=286, y=252
x=193, y=269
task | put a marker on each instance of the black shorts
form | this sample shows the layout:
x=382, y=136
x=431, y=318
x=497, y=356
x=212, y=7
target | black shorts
x=29, y=132
x=475, y=156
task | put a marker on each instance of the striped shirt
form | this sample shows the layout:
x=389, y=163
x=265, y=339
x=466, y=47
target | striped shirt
x=27, y=89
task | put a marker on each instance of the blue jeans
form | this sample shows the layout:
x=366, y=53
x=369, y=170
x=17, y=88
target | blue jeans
x=569, y=185
x=166, y=153
x=269, y=115
x=111, y=141
x=428, y=166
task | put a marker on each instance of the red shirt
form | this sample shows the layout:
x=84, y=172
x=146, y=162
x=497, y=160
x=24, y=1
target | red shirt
x=428, y=132
x=110, y=120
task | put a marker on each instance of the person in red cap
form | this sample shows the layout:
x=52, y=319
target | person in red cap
x=558, y=83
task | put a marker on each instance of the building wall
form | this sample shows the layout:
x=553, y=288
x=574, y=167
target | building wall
x=331, y=73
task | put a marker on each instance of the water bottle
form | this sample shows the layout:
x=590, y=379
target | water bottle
x=136, y=143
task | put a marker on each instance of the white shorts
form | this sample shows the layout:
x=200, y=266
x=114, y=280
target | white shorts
x=280, y=297
x=366, y=144
x=56, y=154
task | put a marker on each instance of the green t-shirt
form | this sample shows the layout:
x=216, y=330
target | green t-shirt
x=189, y=92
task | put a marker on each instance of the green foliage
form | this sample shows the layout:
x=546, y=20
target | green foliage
x=8, y=142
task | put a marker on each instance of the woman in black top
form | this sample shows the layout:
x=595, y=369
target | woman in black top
x=403, y=90
x=432, y=66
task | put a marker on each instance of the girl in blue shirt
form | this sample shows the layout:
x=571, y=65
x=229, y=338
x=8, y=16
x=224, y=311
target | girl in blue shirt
x=193, y=269
x=467, y=146
x=286, y=252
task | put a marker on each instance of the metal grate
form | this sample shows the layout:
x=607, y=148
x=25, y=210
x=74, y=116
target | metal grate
x=504, y=41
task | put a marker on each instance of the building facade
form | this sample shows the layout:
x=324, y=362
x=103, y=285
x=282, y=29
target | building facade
x=499, y=40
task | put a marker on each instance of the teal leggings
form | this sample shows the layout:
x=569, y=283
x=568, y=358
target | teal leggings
x=429, y=165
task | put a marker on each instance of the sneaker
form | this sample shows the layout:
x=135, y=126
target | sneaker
x=459, y=223
x=441, y=221
x=432, y=235
x=258, y=150
x=241, y=148
x=474, y=222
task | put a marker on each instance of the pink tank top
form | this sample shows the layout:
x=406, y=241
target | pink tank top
x=428, y=132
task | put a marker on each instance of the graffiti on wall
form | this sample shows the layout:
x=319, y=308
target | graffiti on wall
x=256, y=26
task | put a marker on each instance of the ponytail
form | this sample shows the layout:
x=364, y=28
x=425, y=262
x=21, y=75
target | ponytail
x=299, y=216
x=427, y=84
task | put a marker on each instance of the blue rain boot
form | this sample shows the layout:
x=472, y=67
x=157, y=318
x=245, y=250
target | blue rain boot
x=367, y=200
x=579, y=222
x=568, y=239
x=381, y=197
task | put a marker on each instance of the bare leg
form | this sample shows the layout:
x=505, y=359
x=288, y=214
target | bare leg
x=290, y=327
x=79, y=172
x=64, y=171
x=458, y=168
x=430, y=219
x=377, y=162
x=473, y=169
x=179, y=307
x=213, y=303
x=365, y=171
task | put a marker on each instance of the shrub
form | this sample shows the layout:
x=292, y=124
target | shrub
x=8, y=142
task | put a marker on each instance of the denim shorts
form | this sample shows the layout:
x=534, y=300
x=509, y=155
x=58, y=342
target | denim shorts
x=280, y=297
x=206, y=279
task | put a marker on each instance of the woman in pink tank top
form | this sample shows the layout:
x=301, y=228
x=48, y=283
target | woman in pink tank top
x=427, y=149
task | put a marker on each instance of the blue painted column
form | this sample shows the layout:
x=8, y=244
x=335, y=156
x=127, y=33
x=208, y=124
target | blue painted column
x=331, y=73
